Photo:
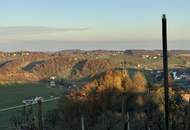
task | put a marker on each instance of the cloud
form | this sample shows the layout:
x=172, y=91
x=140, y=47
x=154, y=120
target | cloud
x=36, y=30
x=14, y=33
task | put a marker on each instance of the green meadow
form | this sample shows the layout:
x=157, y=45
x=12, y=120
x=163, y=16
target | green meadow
x=12, y=95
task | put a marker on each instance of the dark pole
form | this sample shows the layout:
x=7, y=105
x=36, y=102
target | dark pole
x=165, y=65
x=40, y=123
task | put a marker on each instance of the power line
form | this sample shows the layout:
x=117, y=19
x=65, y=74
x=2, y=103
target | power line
x=25, y=105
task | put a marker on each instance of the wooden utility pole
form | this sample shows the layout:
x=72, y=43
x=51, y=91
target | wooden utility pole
x=165, y=65
x=128, y=124
x=123, y=108
x=125, y=115
x=82, y=122
x=40, y=122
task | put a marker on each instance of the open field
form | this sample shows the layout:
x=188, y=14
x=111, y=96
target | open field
x=12, y=95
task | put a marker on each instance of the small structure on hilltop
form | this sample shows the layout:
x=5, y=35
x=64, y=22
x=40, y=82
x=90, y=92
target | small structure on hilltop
x=174, y=75
x=52, y=82
x=139, y=66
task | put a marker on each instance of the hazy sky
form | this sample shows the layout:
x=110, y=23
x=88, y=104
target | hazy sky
x=92, y=24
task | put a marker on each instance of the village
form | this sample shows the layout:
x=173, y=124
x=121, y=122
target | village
x=176, y=74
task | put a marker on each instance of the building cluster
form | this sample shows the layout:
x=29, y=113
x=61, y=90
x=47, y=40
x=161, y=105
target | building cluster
x=14, y=54
x=55, y=82
x=150, y=57
x=180, y=75
x=175, y=74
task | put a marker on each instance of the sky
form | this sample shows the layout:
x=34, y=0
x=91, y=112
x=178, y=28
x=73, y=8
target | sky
x=50, y=25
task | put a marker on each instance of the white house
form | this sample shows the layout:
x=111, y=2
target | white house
x=175, y=77
x=155, y=57
x=33, y=100
x=52, y=78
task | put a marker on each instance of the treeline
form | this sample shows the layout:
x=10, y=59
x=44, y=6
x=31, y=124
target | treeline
x=114, y=100
x=100, y=97
x=110, y=98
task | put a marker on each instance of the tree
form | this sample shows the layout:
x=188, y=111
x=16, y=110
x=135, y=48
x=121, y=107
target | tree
x=139, y=82
x=127, y=82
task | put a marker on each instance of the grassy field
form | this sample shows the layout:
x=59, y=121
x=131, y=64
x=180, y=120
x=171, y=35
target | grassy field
x=13, y=94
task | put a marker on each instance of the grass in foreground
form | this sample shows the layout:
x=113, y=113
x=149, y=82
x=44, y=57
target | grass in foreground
x=13, y=94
